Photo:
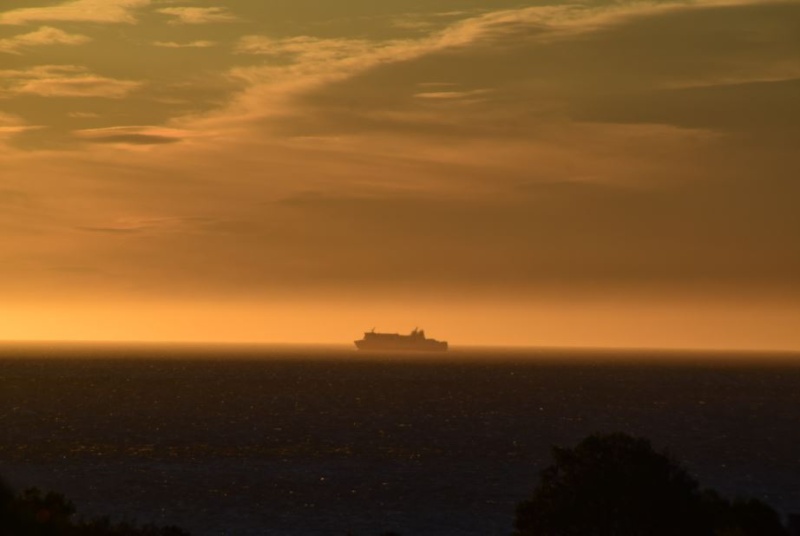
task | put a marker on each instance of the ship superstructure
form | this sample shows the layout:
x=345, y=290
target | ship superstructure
x=415, y=341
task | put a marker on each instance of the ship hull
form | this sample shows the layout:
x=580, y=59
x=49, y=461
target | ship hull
x=402, y=346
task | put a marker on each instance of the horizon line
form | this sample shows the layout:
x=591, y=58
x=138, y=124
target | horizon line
x=453, y=348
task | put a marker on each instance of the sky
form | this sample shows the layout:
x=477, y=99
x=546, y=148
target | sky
x=598, y=173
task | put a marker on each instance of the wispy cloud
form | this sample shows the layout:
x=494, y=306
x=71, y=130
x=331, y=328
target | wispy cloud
x=63, y=81
x=12, y=124
x=190, y=44
x=133, y=135
x=138, y=224
x=309, y=62
x=132, y=226
x=199, y=15
x=430, y=21
x=100, y=11
x=314, y=60
x=45, y=35
x=451, y=95
x=83, y=115
x=8, y=120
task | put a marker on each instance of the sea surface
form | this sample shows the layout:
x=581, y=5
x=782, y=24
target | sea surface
x=329, y=441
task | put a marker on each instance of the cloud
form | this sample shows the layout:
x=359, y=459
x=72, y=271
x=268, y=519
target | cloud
x=451, y=95
x=83, y=115
x=136, y=139
x=99, y=11
x=552, y=23
x=542, y=59
x=109, y=230
x=762, y=108
x=543, y=178
x=45, y=35
x=137, y=224
x=428, y=21
x=63, y=81
x=12, y=124
x=191, y=44
x=10, y=121
x=307, y=48
x=513, y=28
x=133, y=135
x=546, y=232
x=311, y=62
x=198, y=15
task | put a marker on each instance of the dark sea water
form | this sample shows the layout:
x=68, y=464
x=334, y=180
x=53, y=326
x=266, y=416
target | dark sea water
x=317, y=441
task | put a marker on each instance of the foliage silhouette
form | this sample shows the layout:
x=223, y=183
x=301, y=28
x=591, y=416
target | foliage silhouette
x=608, y=485
x=617, y=485
x=33, y=513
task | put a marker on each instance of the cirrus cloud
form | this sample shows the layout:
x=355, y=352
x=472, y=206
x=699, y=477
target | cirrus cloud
x=198, y=15
x=100, y=11
x=190, y=44
x=11, y=124
x=133, y=135
x=63, y=81
x=45, y=35
x=556, y=35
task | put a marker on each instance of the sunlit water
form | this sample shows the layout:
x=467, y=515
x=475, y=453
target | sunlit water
x=324, y=441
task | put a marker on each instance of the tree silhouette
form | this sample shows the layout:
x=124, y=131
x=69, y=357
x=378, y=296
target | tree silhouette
x=617, y=485
x=33, y=513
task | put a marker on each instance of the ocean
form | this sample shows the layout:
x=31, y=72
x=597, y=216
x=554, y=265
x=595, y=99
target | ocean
x=328, y=441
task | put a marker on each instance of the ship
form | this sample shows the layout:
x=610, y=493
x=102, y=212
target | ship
x=415, y=341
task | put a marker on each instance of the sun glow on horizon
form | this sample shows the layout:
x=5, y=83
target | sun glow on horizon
x=595, y=324
x=515, y=174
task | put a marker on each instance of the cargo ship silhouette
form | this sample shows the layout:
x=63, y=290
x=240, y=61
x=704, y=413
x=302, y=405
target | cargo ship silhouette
x=415, y=341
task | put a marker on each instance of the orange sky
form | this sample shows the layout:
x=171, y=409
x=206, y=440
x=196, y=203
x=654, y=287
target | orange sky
x=542, y=173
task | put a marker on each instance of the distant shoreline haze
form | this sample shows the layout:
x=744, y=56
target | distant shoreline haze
x=540, y=321
x=348, y=352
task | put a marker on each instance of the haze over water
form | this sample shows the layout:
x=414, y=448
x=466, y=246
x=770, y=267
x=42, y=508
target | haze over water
x=296, y=441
